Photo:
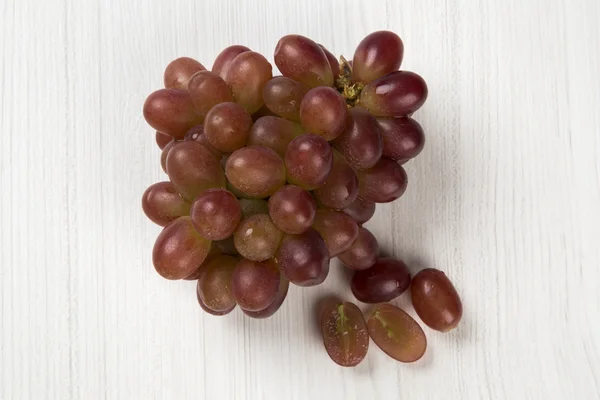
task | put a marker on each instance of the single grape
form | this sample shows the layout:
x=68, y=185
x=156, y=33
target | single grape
x=226, y=246
x=309, y=161
x=383, y=183
x=377, y=55
x=196, y=134
x=179, y=249
x=162, y=204
x=171, y=111
x=363, y=252
x=436, y=300
x=213, y=253
x=248, y=74
x=162, y=139
x=283, y=96
x=224, y=59
x=207, y=89
x=216, y=213
x=361, y=143
x=387, y=279
x=214, y=285
x=361, y=210
x=338, y=230
x=333, y=62
x=257, y=237
x=255, y=285
x=165, y=153
x=179, y=71
x=274, y=132
x=227, y=127
x=345, y=334
x=341, y=187
x=192, y=169
x=324, y=112
x=403, y=138
x=292, y=209
x=394, y=95
x=257, y=171
x=304, y=258
x=397, y=333
x=272, y=308
x=303, y=60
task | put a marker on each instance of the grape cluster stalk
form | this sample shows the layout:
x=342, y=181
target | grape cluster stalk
x=270, y=177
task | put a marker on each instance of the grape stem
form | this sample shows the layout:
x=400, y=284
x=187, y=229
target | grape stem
x=344, y=84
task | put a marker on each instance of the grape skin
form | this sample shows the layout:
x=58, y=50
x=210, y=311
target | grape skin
x=363, y=252
x=162, y=204
x=403, y=138
x=377, y=55
x=257, y=238
x=397, y=94
x=324, y=112
x=227, y=127
x=256, y=171
x=309, y=161
x=361, y=210
x=274, y=132
x=361, y=143
x=333, y=62
x=162, y=139
x=207, y=90
x=283, y=96
x=255, y=285
x=304, y=258
x=225, y=58
x=387, y=279
x=292, y=209
x=216, y=213
x=179, y=71
x=383, y=183
x=338, y=230
x=303, y=60
x=196, y=134
x=171, y=111
x=214, y=285
x=340, y=189
x=272, y=308
x=248, y=74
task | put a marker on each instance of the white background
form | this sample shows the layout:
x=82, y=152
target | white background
x=505, y=198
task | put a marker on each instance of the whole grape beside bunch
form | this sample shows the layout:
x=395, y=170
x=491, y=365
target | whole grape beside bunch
x=271, y=177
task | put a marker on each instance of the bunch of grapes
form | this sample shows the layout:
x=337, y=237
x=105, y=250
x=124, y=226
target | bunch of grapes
x=272, y=177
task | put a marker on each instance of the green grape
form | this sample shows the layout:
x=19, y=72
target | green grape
x=162, y=204
x=248, y=74
x=257, y=237
x=256, y=171
x=179, y=71
x=283, y=96
x=227, y=127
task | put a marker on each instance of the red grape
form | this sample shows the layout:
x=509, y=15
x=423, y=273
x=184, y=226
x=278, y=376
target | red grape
x=345, y=334
x=162, y=139
x=227, y=127
x=224, y=59
x=214, y=285
x=248, y=74
x=292, y=209
x=162, y=204
x=387, y=279
x=363, y=252
x=324, y=112
x=272, y=308
x=308, y=160
x=256, y=171
x=403, y=138
x=274, y=132
x=216, y=213
x=303, y=60
x=165, y=153
x=377, y=55
x=179, y=71
x=436, y=300
x=196, y=134
x=255, y=285
x=333, y=62
x=394, y=95
x=207, y=89
x=171, y=111
x=383, y=183
x=338, y=230
x=361, y=143
x=341, y=187
x=257, y=237
x=283, y=96
x=361, y=210
x=304, y=258
x=213, y=253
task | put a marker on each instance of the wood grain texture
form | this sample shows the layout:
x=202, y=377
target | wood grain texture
x=505, y=198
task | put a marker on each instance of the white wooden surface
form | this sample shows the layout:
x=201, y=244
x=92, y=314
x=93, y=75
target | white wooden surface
x=505, y=198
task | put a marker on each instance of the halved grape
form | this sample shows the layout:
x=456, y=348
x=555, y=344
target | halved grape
x=292, y=209
x=338, y=230
x=361, y=210
x=257, y=171
x=248, y=74
x=227, y=127
x=383, y=183
x=361, y=143
x=403, y=138
x=179, y=249
x=387, y=279
x=324, y=112
x=214, y=287
x=207, y=89
x=309, y=161
x=303, y=60
x=394, y=95
x=333, y=62
x=196, y=134
x=341, y=187
x=165, y=153
x=377, y=55
x=363, y=252
x=171, y=111
x=179, y=71
x=224, y=59
x=436, y=300
x=255, y=285
x=162, y=139
x=216, y=213
x=397, y=333
x=162, y=203
x=304, y=258
x=257, y=237
x=272, y=308
x=274, y=132
x=345, y=334
x=283, y=96
x=192, y=169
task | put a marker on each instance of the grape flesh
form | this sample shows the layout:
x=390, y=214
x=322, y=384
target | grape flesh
x=227, y=127
x=255, y=285
x=377, y=55
x=179, y=250
x=257, y=238
x=324, y=112
x=256, y=171
x=309, y=161
x=272, y=308
x=338, y=230
x=274, y=132
x=303, y=60
x=383, y=183
x=340, y=189
x=171, y=111
x=216, y=213
x=436, y=300
x=361, y=210
x=283, y=96
x=214, y=289
x=162, y=203
x=224, y=59
x=304, y=258
x=248, y=74
x=387, y=279
x=397, y=94
x=361, y=143
x=397, y=333
x=403, y=138
x=345, y=334
x=363, y=252
x=162, y=139
x=179, y=71
x=292, y=209
x=207, y=89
